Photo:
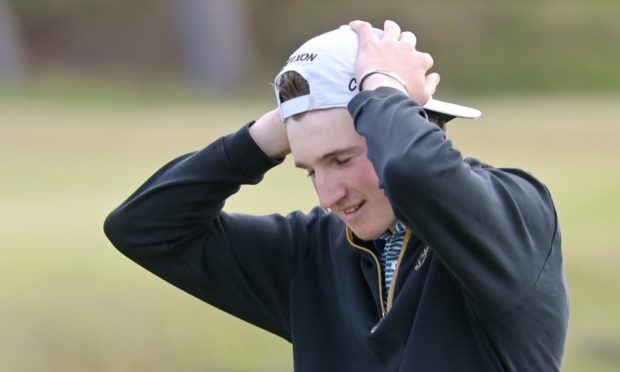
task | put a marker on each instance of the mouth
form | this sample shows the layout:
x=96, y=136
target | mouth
x=351, y=210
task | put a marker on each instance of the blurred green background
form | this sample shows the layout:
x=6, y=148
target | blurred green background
x=95, y=96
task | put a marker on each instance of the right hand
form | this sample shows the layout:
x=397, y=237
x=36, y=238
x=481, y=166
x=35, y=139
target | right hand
x=269, y=133
x=394, y=52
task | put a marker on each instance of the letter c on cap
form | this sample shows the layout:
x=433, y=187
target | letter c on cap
x=353, y=85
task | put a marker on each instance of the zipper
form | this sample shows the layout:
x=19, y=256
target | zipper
x=392, y=289
x=379, y=275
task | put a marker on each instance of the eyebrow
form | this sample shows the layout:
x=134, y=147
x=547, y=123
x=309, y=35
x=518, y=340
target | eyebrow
x=328, y=156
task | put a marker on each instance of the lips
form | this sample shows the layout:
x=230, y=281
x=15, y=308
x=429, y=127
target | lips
x=350, y=210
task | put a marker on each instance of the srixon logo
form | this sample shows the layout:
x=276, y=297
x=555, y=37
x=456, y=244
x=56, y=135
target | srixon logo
x=302, y=57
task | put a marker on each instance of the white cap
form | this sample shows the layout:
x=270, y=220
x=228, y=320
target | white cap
x=327, y=62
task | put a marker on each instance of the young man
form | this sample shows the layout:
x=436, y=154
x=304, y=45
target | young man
x=417, y=259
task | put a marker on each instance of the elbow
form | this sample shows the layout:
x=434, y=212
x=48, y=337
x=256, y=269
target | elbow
x=117, y=229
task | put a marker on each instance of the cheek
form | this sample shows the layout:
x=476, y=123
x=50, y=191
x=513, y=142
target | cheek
x=369, y=186
x=365, y=178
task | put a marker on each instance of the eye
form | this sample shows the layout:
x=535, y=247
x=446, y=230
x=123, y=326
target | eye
x=342, y=161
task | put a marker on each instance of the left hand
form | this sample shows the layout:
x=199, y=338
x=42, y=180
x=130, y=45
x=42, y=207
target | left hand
x=396, y=53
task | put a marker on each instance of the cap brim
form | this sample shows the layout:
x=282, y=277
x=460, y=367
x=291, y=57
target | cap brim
x=452, y=109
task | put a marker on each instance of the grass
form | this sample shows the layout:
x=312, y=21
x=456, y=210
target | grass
x=70, y=301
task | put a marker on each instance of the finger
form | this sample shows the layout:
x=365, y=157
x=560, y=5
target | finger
x=391, y=30
x=363, y=29
x=428, y=60
x=409, y=37
x=432, y=81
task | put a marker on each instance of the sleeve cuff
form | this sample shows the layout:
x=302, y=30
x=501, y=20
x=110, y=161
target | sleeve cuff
x=365, y=95
x=245, y=155
x=380, y=95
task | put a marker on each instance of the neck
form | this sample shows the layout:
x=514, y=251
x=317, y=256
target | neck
x=392, y=227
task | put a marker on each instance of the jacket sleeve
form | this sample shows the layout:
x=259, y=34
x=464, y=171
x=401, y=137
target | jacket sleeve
x=493, y=229
x=174, y=226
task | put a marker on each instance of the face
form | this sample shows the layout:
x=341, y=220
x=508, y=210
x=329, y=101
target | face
x=326, y=145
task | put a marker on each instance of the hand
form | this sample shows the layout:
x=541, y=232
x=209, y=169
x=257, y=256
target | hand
x=396, y=53
x=269, y=133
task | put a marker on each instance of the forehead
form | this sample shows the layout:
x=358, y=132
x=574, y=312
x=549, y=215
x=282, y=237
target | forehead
x=322, y=132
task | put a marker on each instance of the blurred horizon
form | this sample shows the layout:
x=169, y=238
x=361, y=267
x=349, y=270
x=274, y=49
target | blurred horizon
x=554, y=46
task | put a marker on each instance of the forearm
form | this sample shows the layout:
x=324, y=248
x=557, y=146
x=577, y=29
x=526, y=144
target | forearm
x=188, y=193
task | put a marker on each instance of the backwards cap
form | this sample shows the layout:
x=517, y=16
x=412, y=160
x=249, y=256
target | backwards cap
x=327, y=62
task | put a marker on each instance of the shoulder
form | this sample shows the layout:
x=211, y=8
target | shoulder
x=521, y=189
x=508, y=176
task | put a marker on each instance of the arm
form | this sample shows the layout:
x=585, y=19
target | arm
x=174, y=226
x=492, y=228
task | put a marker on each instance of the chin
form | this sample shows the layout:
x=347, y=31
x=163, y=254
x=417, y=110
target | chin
x=366, y=233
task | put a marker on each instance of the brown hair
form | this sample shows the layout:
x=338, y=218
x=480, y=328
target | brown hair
x=292, y=85
x=438, y=118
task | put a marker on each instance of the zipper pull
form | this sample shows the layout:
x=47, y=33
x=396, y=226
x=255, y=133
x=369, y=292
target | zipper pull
x=376, y=326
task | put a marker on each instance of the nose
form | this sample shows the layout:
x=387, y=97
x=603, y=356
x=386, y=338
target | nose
x=329, y=189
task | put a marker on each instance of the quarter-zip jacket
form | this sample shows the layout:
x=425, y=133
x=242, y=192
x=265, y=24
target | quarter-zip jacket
x=479, y=285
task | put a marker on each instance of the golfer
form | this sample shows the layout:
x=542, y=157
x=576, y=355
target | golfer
x=417, y=259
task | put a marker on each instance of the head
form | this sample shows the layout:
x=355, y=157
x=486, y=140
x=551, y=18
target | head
x=313, y=91
x=325, y=144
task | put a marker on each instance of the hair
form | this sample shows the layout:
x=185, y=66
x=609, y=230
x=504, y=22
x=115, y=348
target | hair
x=292, y=85
x=439, y=119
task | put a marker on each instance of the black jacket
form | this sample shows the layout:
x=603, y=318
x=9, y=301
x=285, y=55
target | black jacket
x=488, y=294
